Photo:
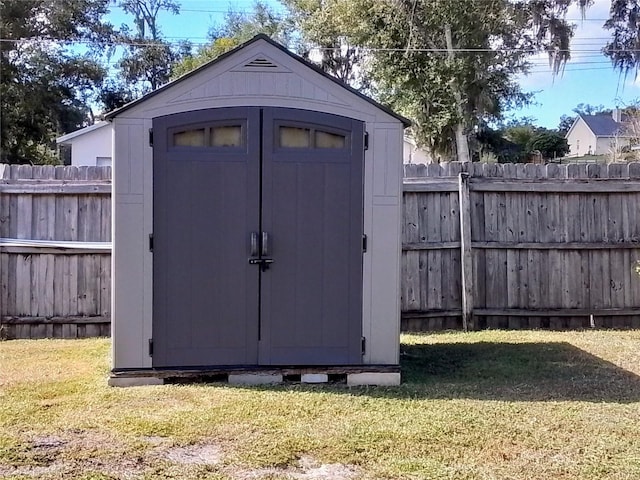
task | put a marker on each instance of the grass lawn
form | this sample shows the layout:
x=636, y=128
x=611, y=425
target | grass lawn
x=484, y=405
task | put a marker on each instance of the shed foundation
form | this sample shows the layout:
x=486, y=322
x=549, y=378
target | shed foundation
x=360, y=375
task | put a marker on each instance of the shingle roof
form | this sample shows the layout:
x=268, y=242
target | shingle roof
x=603, y=125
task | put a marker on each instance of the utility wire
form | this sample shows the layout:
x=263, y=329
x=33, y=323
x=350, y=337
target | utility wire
x=363, y=49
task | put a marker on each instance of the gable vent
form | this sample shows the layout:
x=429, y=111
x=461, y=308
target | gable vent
x=261, y=62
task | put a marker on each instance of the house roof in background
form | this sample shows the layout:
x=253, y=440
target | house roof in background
x=70, y=136
x=603, y=125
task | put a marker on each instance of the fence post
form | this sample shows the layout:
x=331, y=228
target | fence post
x=466, y=258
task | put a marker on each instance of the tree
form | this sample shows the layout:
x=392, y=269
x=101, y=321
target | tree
x=521, y=135
x=623, y=47
x=44, y=87
x=492, y=142
x=549, y=143
x=238, y=27
x=566, y=122
x=449, y=65
x=321, y=40
x=586, y=109
x=114, y=94
x=148, y=60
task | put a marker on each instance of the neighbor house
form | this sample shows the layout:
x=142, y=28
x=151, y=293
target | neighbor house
x=91, y=145
x=597, y=134
x=412, y=153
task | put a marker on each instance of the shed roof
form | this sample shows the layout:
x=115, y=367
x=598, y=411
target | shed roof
x=406, y=122
x=603, y=125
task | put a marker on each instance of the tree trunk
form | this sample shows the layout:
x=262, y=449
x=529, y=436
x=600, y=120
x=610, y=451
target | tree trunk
x=462, y=143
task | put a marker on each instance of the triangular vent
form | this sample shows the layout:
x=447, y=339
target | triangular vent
x=260, y=62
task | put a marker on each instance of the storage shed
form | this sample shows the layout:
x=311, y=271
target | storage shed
x=256, y=226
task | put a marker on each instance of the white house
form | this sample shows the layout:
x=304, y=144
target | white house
x=91, y=145
x=411, y=153
x=597, y=134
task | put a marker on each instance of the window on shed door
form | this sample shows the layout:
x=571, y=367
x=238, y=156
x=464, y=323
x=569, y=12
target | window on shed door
x=213, y=136
x=329, y=140
x=226, y=136
x=300, y=137
x=294, y=137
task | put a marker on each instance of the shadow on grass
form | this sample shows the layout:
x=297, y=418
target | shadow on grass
x=511, y=372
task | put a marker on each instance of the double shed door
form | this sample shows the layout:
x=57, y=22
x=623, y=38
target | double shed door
x=258, y=224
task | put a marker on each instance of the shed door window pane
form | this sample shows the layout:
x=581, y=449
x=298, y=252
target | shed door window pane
x=189, y=138
x=329, y=140
x=230, y=136
x=292, y=137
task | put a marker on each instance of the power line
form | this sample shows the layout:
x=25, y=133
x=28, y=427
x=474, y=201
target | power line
x=363, y=49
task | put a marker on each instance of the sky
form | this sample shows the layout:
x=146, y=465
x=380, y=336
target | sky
x=588, y=77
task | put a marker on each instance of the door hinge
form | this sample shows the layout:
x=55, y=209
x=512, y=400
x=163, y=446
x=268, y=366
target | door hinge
x=364, y=243
x=151, y=137
x=366, y=140
x=151, y=242
x=364, y=345
x=151, y=347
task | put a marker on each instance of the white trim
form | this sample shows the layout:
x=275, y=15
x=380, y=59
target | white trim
x=70, y=136
x=575, y=122
x=20, y=242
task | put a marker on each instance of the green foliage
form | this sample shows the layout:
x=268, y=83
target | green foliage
x=147, y=66
x=236, y=29
x=566, y=122
x=148, y=60
x=205, y=54
x=521, y=135
x=622, y=49
x=44, y=87
x=323, y=41
x=515, y=141
x=493, y=143
x=401, y=50
x=549, y=143
x=586, y=109
x=114, y=95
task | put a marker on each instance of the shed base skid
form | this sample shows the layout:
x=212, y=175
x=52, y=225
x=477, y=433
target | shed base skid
x=361, y=375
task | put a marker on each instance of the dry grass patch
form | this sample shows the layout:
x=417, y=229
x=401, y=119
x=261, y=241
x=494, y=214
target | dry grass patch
x=485, y=405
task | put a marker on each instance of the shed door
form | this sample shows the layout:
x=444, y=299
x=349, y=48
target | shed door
x=257, y=238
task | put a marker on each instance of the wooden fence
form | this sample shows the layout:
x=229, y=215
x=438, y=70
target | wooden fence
x=55, y=268
x=550, y=246
x=521, y=246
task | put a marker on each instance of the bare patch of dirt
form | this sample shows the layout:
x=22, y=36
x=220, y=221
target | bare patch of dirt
x=195, y=455
x=72, y=452
x=156, y=440
x=54, y=469
x=307, y=469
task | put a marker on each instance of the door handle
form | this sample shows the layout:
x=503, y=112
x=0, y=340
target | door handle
x=260, y=250
x=254, y=244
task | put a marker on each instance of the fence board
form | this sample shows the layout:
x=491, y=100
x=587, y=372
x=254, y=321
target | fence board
x=545, y=239
x=40, y=282
x=551, y=246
